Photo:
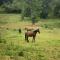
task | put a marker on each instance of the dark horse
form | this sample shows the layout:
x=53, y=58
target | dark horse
x=31, y=34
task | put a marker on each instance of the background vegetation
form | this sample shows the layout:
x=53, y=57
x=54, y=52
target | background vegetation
x=17, y=14
x=28, y=8
x=14, y=47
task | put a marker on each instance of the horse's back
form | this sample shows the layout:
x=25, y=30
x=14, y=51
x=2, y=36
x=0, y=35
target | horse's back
x=31, y=27
x=29, y=33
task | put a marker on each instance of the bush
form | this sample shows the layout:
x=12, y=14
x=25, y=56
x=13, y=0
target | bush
x=2, y=41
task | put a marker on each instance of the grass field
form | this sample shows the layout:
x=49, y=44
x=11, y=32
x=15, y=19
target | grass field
x=14, y=47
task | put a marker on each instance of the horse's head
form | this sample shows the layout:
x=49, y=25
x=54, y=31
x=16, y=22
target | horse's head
x=37, y=30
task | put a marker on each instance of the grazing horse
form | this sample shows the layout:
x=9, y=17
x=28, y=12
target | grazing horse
x=30, y=28
x=31, y=34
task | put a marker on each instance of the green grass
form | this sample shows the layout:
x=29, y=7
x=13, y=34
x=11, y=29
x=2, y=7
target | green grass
x=46, y=47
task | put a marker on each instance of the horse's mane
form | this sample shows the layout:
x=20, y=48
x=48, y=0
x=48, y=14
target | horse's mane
x=35, y=29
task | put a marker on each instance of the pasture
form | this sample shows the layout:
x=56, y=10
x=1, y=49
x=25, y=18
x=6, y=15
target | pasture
x=14, y=47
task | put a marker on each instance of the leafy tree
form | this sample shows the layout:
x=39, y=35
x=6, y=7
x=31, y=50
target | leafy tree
x=30, y=8
x=57, y=10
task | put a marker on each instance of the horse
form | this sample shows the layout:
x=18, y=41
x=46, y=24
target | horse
x=30, y=28
x=31, y=34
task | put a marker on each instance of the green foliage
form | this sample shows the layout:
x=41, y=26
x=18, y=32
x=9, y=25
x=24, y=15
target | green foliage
x=27, y=12
x=3, y=22
x=28, y=8
x=57, y=10
x=47, y=45
x=2, y=40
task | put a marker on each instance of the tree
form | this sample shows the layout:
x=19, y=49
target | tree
x=57, y=10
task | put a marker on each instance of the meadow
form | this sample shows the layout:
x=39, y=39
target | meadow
x=14, y=47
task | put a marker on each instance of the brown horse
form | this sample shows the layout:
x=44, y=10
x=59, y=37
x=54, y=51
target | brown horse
x=31, y=34
x=31, y=27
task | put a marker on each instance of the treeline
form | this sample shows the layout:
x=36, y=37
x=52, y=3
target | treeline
x=30, y=8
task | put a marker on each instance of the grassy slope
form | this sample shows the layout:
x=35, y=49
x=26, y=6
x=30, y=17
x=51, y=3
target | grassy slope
x=46, y=47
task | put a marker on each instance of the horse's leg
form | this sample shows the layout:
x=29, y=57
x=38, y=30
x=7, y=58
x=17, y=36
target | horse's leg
x=27, y=39
x=33, y=39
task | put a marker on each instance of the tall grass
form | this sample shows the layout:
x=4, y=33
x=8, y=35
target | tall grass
x=46, y=47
